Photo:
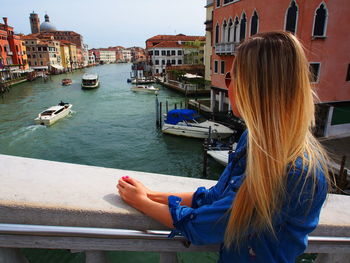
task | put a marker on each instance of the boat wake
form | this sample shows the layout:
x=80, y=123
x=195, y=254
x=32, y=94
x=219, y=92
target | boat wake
x=24, y=133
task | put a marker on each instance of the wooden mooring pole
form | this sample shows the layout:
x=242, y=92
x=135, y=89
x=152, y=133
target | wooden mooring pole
x=157, y=113
x=175, y=106
x=166, y=106
x=205, y=157
x=160, y=114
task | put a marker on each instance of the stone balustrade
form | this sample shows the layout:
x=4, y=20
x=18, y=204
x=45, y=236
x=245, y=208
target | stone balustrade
x=45, y=204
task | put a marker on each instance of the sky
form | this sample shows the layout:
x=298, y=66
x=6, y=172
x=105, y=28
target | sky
x=105, y=23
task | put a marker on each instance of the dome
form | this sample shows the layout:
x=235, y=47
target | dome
x=47, y=26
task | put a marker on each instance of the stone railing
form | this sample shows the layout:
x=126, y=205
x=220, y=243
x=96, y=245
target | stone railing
x=55, y=205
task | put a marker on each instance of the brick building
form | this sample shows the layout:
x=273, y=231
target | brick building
x=320, y=25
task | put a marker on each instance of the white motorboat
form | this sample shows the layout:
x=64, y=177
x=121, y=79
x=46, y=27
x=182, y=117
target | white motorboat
x=53, y=114
x=221, y=156
x=90, y=81
x=184, y=122
x=144, y=88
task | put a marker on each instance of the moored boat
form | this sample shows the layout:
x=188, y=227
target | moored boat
x=53, y=114
x=144, y=88
x=220, y=155
x=143, y=81
x=90, y=81
x=189, y=123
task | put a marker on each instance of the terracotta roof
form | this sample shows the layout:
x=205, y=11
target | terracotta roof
x=66, y=42
x=173, y=44
x=179, y=37
x=31, y=36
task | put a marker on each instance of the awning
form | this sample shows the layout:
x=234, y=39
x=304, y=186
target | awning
x=42, y=67
x=59, y=67
x=192, y=76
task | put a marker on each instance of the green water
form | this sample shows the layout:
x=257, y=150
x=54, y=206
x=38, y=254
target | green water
x=110, y=126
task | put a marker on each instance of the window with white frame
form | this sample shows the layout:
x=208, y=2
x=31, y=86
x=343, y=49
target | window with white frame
x=254, y=24
x=217, y=3
x=235, y=30
x=216, y=66
x=242, y=30
x=223, y=34
x=217, y=34
x=222, y=67
x=292, y=17
x=315, y=71
x=229, y=31
x=320, y=21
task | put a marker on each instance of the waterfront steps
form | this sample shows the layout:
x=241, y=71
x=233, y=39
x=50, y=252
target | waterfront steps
x=46, y=193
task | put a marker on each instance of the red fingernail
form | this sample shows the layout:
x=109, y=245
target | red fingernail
x=126, y=177
x=123, y=177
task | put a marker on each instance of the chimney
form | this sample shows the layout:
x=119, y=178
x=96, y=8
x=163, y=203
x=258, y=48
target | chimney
x=5, y=20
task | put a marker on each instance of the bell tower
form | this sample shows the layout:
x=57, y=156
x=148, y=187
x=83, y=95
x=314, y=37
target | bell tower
x=34, y=23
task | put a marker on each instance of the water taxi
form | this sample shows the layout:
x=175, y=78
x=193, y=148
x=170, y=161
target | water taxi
x=53, y=114
x=189, y=123
x=144, y=88
x=90, y=81
x=66, y=82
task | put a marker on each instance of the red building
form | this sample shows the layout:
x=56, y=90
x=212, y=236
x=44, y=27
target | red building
x=321, y=26
x=11, y=52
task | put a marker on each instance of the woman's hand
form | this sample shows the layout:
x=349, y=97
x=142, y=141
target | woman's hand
x=133, y=192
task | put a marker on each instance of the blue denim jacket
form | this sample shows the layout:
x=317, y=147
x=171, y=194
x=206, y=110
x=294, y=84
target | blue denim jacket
x=205, y=221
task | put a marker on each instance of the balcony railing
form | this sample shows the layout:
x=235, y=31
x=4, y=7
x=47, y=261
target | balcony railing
x=208, y=25
x=209, y=2
x=10, y=53
x=225, y=48
x=62, y=219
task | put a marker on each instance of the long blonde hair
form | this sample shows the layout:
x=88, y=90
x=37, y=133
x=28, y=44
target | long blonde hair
x=275, y=99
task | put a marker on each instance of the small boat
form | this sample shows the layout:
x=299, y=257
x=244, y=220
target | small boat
x=144, y=88
x=53, y=114
x=221, y=156
x=66, y=82
x=189, y=123
x=90, y=81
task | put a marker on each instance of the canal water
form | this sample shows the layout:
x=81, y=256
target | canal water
x=110, y=126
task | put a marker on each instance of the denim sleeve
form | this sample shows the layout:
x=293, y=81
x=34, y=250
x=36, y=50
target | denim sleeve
x=203, y=225
x=205, y=196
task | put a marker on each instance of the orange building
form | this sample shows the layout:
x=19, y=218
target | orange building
x=321, y=26
x=11, y=52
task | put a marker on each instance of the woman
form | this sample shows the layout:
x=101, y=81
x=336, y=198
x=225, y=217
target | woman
x=269, y=197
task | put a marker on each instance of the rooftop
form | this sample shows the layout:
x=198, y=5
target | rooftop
x=179, y=37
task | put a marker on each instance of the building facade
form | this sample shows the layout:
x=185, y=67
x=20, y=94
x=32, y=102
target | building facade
x=319, y=24
x=170, y=50
x=208, y=39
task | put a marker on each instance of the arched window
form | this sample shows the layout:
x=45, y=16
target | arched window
x=254, y=24
x=292, y=17
x=320, y=21
x=0, y=48
x=242, y=27
x=217, y=33
x=235, y=30
x=217, y=3
x=224, y=32
x=230, y=31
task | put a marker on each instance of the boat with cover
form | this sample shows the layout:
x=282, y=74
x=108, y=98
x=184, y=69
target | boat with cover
x=90, y=81
x=189, y=123
x=144, y=88
x=66, y=82
x=53, y=114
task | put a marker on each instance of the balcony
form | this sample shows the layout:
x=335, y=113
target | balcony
x=209, y=3
x=225, y=48
x=10, y=53
x=208, y=25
